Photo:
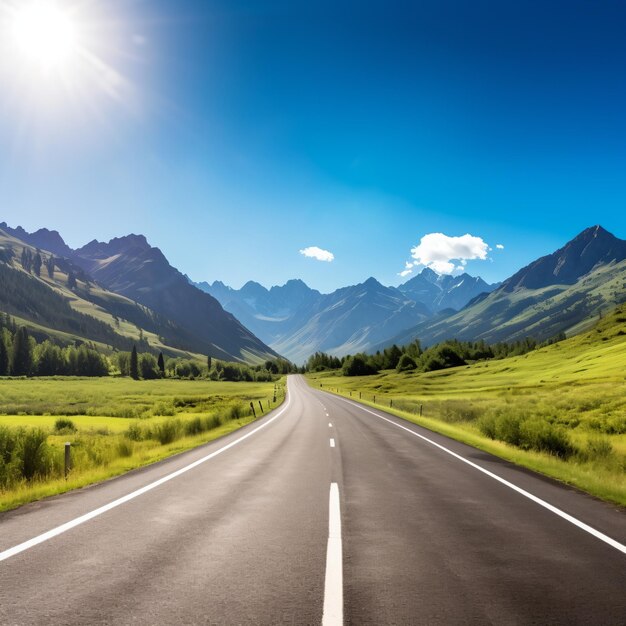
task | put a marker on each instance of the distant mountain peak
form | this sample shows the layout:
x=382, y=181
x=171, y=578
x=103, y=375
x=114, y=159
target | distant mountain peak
x=591, y=248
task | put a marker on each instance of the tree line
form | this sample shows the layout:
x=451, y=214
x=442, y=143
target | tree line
x=22, y=355
x=449, y=353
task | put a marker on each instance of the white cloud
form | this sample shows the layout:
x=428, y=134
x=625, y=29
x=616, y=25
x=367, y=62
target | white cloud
x=313, y=252
x=499, y=246
x=445, y=255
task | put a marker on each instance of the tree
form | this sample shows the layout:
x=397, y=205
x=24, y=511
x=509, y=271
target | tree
x=22, y=357
x=134, y=364
x=209, y=362
x=406, y=363
x=4, y=356
x=37, y=262
x=161, y=364
x=148, y=367
x=71, y=281
x=50, y=267
x=358, y=365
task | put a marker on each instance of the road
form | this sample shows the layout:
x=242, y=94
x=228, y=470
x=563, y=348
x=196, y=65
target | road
x=392, y=524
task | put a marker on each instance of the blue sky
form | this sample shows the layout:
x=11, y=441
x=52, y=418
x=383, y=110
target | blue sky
x=236, y=133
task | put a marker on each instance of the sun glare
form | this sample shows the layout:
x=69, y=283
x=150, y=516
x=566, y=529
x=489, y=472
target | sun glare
x=45, y=35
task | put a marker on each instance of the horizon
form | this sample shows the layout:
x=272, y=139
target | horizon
x=400, y=279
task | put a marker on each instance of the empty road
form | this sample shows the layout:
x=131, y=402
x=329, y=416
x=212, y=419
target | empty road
x=326, y=511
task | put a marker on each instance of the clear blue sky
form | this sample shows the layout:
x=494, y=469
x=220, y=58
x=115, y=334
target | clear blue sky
x=235, y=133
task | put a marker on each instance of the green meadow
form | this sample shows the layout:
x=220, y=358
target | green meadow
x=559, y=410
x=113, y=425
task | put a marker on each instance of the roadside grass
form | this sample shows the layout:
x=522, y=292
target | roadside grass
x=560, y=410
x=167, y=417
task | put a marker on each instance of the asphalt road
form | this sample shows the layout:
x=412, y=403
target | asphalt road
x=409, y=533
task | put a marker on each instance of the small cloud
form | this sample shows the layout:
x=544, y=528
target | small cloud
x=499, y=246
x=313, y=252
x=139, y=40
x=404, y=273
x=445, y=255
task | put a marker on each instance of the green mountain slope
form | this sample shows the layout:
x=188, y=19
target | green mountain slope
x=84, y=312
x=563, y=292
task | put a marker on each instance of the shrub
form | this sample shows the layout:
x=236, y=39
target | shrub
x=125, y=448
x=167, y=432
x=235, y=412
x=34, y=453
x=64, y=425
x=195, y=426
x=135, y=432
x=537, y=434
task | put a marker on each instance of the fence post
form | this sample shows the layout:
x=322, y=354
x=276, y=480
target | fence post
x=374, y=399
x=391, y=403
x=68, y=458
x=253, y=411
x=420, y=410
x=359, y=395
x=261, y=406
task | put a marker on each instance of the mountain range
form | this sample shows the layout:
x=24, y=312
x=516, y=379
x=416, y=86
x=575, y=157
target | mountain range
x=298, y=321
x=123, y=291
x=128, y=287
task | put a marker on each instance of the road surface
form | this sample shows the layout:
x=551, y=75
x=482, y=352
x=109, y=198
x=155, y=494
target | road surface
x=323, y=510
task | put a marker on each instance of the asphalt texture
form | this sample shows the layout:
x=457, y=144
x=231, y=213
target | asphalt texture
x=241, y=538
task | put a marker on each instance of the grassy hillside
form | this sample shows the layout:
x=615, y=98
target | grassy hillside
x=538, y=313
x=573, y=391
x=113, y=424
x=86, y=312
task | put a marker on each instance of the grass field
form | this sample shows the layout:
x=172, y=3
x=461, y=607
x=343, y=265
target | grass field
x=115, y=424
x=560, y=410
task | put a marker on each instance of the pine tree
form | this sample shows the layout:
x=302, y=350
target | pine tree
x=209, y=362
x=161, y=364
x=50, y=267
x=22, y=357
x=134, y=364
x=4, y=356
x=37, y=262
x=71, y=281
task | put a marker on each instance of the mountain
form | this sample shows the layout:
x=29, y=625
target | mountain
x=590, y=249
x=43, y=239
x=298, y=321
x=128, y=286
x=444, y=292
x=562, y=292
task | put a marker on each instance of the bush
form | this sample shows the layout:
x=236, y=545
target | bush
x=195, y=426
x=536, y=434
x=235, y=412
x=135, y=432
x=34, y=453
x=167, y=432
x=63, y=426
x=527, y=433
x=125, y=448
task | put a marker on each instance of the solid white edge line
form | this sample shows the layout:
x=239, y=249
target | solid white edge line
x=333, y=585
x=566, y=516
x=332, y=443
x=26, y=545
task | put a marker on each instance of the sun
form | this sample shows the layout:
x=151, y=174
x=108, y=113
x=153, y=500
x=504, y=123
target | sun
x=45, y=35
